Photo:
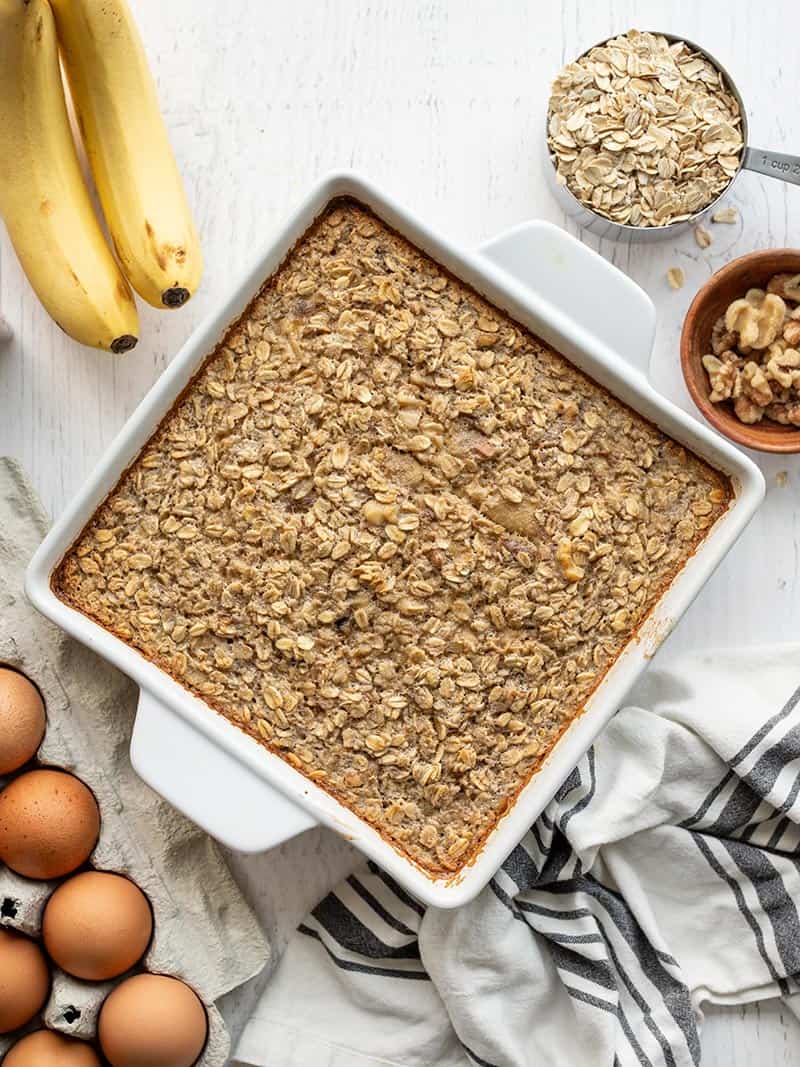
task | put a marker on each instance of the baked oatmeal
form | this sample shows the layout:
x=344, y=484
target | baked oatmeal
x=393, y=536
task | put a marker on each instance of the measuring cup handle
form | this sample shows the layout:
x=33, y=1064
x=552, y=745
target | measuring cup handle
x=773, y=164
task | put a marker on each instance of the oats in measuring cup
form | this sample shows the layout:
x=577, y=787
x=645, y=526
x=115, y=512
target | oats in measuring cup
x=644, y=131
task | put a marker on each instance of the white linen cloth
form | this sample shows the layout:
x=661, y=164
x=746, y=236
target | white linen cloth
x=664, y=876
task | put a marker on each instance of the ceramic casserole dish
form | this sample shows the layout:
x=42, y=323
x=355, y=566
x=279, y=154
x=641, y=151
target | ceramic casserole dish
x=246, y=796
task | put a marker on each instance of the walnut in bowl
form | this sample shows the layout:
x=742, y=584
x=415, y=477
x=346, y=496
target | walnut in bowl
x=740, y=350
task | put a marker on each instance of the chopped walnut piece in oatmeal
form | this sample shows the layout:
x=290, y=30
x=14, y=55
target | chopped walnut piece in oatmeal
x=755, y=353
x=392, y=536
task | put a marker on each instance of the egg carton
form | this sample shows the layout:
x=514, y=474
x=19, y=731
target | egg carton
x=204, y=931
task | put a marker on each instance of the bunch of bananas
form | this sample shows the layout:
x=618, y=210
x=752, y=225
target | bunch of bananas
x=44, y=199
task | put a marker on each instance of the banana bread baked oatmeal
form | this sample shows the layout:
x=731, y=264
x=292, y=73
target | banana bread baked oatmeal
x=393, y=536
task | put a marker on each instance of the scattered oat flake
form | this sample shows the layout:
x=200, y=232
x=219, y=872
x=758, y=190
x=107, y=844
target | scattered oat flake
x=676, y=277
x=702, y=236
x=727, y=214
x=782, y=477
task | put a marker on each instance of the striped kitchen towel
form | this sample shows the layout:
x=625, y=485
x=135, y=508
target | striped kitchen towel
x=663, y=877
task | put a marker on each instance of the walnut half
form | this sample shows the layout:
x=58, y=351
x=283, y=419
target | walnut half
x=756, y=325
x=787, y=286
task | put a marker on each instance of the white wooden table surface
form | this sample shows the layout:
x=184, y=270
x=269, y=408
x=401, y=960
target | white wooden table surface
x=440, y=101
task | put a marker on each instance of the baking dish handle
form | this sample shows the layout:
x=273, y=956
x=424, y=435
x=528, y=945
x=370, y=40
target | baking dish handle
x=581, y=284
x=215, y=790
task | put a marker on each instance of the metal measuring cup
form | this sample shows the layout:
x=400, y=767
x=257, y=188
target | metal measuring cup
x=772, y=164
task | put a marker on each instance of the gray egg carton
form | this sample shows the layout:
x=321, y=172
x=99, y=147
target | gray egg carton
x=204, y=931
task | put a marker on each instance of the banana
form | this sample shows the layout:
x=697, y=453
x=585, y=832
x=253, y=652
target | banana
x=43, y=198
x=132, y=163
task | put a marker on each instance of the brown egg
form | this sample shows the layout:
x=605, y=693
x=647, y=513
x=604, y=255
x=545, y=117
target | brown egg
x=22, y=720
x=152, y=1021
x=24, y=980
x=97, y=926
x=44, y=1048
x=49, y=822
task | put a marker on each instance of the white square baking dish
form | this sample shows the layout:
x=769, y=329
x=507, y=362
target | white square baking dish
x=246, y=796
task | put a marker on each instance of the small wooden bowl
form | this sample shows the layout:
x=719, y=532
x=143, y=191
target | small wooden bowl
x=751, y=271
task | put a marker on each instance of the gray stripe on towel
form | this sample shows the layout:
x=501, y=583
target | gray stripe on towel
x=620, y=1012
x=352, y=934
x=741, y=903
x=759, y=736
x=754, y=787
x=674, y=993
x=361, y=968
x=779, y=908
